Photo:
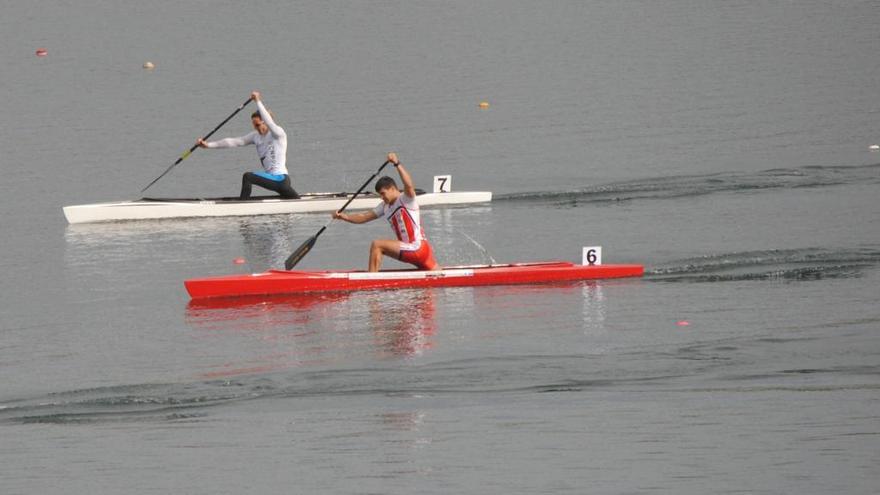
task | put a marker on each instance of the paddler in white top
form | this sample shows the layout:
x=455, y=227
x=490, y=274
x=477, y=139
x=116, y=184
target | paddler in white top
x=401, y=209
x=271, y=142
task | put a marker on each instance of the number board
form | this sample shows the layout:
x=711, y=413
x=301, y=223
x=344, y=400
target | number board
x=442, y=183
x=592, y=255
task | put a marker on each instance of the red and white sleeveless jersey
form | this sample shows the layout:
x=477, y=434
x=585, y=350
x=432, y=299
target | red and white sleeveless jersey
x=403, y=215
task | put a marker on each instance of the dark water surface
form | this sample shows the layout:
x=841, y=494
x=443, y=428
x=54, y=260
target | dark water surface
x=724, y=145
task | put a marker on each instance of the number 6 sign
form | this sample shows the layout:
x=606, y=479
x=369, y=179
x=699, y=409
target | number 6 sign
x=592, y=255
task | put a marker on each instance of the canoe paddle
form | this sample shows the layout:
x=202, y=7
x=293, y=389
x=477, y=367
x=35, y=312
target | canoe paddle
x=305, y=247
x=186, y=154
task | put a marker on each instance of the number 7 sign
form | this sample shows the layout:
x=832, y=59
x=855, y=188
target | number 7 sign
x=442, y=183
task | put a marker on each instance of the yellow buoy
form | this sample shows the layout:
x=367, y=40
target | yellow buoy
x=149, y=65
x=484, y=105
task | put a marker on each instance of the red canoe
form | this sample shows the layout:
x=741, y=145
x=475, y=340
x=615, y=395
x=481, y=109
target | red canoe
x=291, y=282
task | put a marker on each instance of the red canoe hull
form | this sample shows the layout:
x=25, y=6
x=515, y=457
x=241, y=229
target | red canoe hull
x=292, y=282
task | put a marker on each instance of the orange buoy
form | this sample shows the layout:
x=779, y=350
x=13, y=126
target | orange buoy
x=42, y=52
x=484, y=105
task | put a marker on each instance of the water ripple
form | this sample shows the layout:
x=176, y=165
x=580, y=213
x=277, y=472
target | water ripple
x=684, y=186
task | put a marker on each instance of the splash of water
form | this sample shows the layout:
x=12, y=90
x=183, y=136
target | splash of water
x=481, y=248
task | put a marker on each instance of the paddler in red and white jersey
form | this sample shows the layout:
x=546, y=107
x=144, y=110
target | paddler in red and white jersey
x=401, y=209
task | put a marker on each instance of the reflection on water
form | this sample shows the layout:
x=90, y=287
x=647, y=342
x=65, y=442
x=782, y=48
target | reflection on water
x=266, y=241
x=409, y=425
x=404, y=327
x=251, y=313
x=266, y=244
x=315, y=329
x=101, y=233
x=403, y=421
x=332, y=329
x=594, y=307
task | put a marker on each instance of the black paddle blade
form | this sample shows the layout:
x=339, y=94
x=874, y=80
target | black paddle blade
x=300, y=253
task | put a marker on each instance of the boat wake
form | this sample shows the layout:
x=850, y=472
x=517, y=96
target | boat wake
x=777, y=264
x=142, y=402
x=515, y=374
x=684, y=186
x=193, y=402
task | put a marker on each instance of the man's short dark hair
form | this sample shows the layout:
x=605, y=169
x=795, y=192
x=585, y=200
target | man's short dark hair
x=257, y=114
x=384, y=183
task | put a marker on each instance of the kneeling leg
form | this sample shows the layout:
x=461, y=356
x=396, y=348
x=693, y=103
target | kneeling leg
x=379, y=247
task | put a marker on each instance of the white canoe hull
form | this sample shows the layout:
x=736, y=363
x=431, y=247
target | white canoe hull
x=148, y=209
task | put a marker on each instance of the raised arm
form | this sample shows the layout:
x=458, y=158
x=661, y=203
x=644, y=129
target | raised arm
x=274, y=128
x=408, y=188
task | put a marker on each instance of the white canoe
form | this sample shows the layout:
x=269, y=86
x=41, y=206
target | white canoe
x=154, y=208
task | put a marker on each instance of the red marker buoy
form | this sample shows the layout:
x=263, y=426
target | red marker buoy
x=42, y=52
x=239, y=261
x=683, y=323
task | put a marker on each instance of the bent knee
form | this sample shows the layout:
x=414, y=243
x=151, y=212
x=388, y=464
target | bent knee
x=391, y=248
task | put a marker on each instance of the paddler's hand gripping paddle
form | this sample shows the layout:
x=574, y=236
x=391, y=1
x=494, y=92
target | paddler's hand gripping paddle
x=301, y=251
x=187, y=153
